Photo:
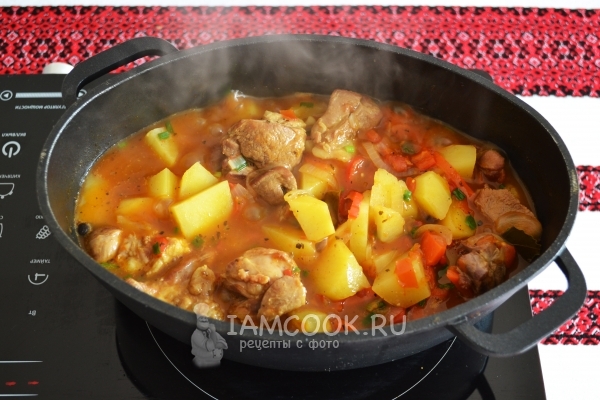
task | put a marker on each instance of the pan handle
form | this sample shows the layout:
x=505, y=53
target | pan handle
x=106, y=61
x=528, y=334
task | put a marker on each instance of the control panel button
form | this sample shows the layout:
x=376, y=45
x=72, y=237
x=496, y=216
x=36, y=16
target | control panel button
x=6, y=189
x=6, y=95
x=38, y=279
x=43, y=233
x=11, y=149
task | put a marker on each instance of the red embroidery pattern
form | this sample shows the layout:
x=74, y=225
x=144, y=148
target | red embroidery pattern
x=583, y=328
x=526, y=50
x=589, y=188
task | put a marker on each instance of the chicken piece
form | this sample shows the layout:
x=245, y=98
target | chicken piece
x=265, y=143
x=284, y=295
x=173, y=251
x=184, y=269
x=491, y=164
x=252, y=273
x=485, y=261
x=493, y=203
x=242, y=308
x=202, y=282
x=142, y=287
x=347, y=114
x=103, y=243
x=209, y=309
x=134, y=254
x=271, y=184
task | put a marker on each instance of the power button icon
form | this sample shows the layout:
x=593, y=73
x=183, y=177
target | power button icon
x=6, y=95
x=11, y=148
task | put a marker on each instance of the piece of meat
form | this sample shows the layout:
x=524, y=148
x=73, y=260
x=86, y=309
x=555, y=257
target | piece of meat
x=184, y=269
x=485, y=260
x=243, y=307
x=265, y=143
x=202, y=282
x=271, y=184
x=134, y=254
x=103, y=243
x=347, y=113
x=142, y=287
x=172, y=252
x=284, y=295
x=493, y=203
x=231, y=150
x=209, y=309
x=253, y=272
x=491, y=164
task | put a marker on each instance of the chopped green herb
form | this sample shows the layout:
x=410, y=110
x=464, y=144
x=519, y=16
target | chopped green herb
x=122, y=144
x=306, y=104
x=376, y=307
x=408, y=148
x=304, y=273
x=407, y=195
x=368, y=320
x=169, y=126
x=176, y=230
x=198, y=241
x=164, y=135
x=350, y=149
x=458, y=194
x=413, y=232
x=109, y=265
x=296, y=270
x=502, y=186
x=238, y=163
x=422, y=303
x=471, y=222
x=156, y=248
x=446, y=285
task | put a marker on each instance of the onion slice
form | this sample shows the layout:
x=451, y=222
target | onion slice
x=437, y=229
x=524, y=222
x=376, y=158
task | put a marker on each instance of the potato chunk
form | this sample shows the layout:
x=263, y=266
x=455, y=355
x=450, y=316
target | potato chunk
x=136, y=207
x=313, y=185
x=290, y=240
x=389, y=223
x=163, y=184
x=194, y=180
x=462, y=157
x=432, y=194
x=336, y=273
x=388, y=286
x=312, y=215
x=161, y=141
x=360, y=230
x=204, y=211
x=456, y=221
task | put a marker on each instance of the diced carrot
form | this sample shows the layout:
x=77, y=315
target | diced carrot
x=397, y=162
x=433, y=247
x=424, y=160
x=453, y=275
x=411, y=183
x=440, y=293
x=288, y=114
x=405, y=273
x=373, y=136
x=510, y=256
x=288, y=272
x=451, y=174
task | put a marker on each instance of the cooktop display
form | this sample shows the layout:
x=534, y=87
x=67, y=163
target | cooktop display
x=64, y=336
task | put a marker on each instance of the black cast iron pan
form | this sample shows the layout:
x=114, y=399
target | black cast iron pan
x=280, y=65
